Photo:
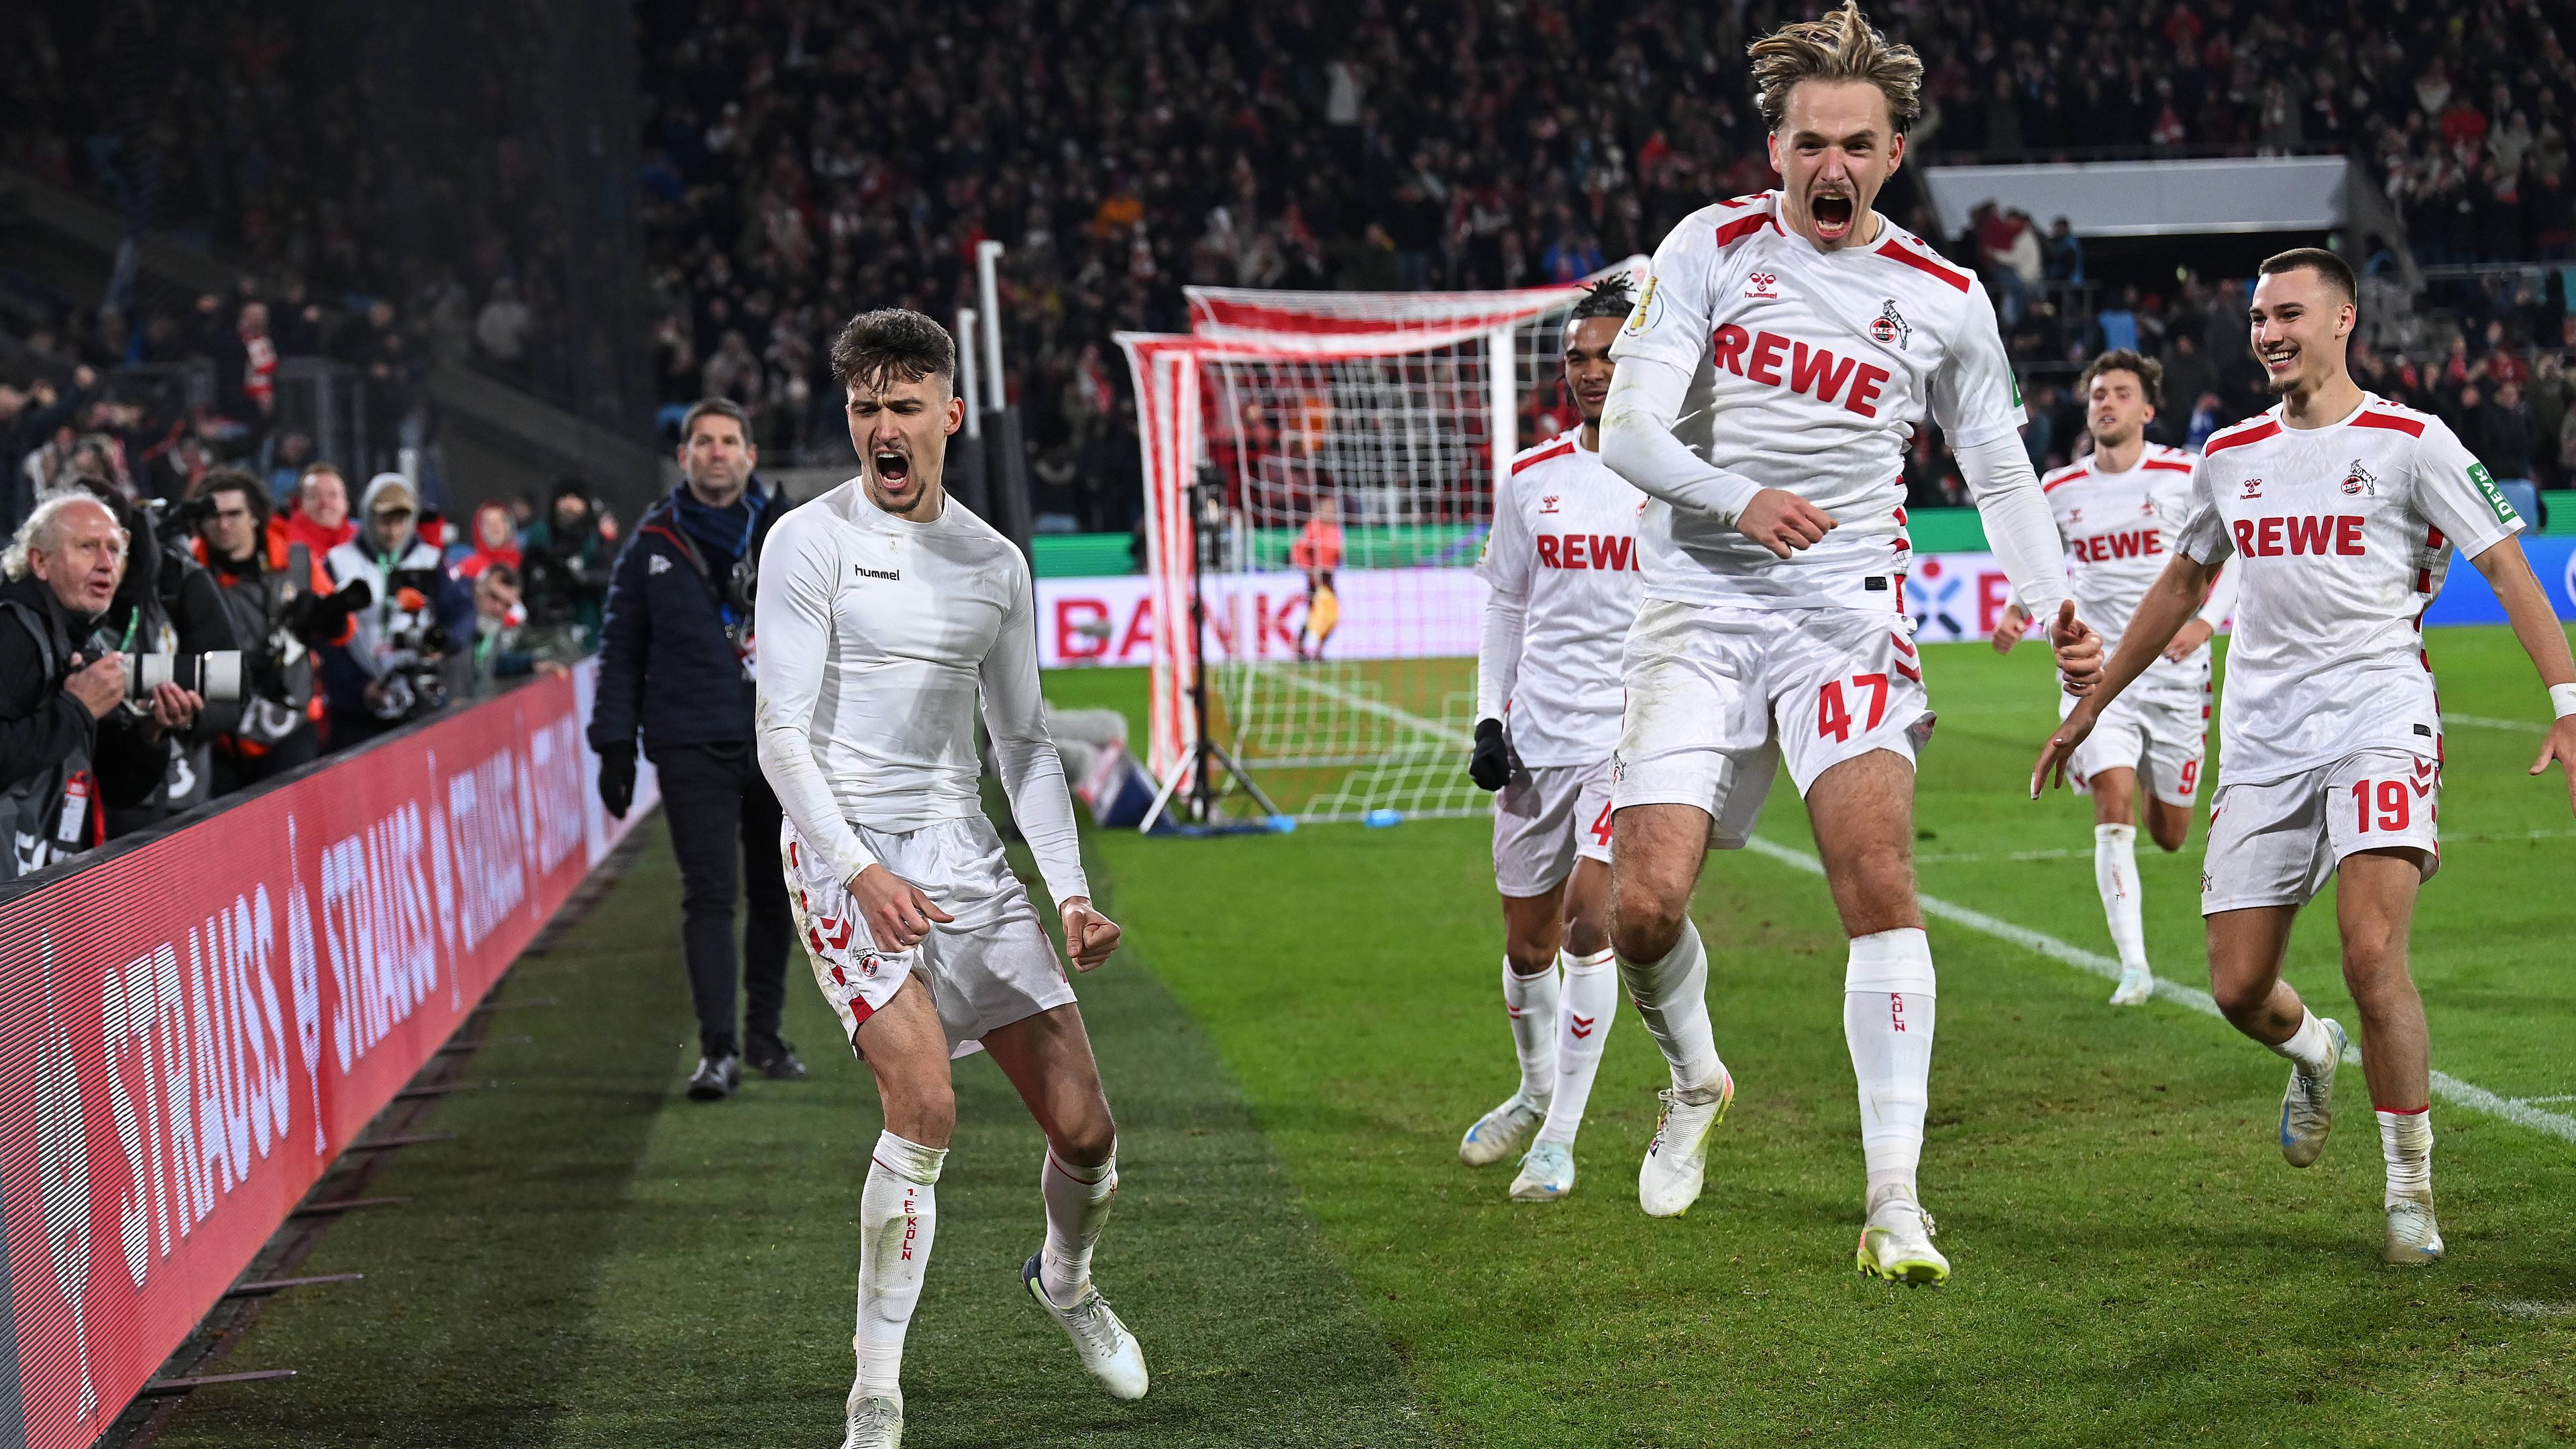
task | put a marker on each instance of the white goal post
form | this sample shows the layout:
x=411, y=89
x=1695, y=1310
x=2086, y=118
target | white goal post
x=1367, y=425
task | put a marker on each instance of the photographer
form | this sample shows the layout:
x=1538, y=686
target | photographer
x=393, y=668
x=70, y=742
x=283, y=608
x=675, y=664
x=564, y=560
x=166, y=604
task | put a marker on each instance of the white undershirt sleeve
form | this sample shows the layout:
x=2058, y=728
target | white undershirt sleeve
x=1032, y=773
x=1498, y=653
x=792, y=620
x=1637, y=443
x=2222, y=597
x=2020, y=529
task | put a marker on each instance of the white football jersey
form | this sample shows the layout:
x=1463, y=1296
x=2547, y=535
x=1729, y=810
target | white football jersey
x=1564, y=542
x=1809, y=370
x=2119, y=531
x=2343, y=534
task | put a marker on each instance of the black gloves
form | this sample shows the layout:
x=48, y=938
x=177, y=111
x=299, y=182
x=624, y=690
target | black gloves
x=617, y=779
x=1491, y=765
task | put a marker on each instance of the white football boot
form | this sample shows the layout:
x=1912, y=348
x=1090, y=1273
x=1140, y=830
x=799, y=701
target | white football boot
x=2414, y=1239
x=1499, y=1133
x=1108, y=1351
x=876, y=1422
x=1896, y=1244
x=2137, y=987
x=1676, y=1162
x=1547, y=1173
x=2307, y=1108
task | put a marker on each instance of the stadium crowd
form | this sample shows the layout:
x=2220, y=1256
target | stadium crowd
x=786, y=182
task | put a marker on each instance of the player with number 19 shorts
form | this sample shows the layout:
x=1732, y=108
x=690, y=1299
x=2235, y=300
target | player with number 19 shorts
x=1770, y=381
x=2343, y=511
x=1560, y=568
x=2116, y=512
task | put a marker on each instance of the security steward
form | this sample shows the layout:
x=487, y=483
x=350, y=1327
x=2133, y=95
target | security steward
x=675, y=666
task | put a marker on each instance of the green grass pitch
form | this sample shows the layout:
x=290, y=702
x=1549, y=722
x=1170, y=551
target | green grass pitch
x=1300, y=1029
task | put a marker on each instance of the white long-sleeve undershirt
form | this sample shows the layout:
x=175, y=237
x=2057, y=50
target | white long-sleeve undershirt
x=878, y=641
x=2020, y=531
x=1498, y=652
x=1638, y=443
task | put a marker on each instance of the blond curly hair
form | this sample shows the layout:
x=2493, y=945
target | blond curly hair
x=1839, y=47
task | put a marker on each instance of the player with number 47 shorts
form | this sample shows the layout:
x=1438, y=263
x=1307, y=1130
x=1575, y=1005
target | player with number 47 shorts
x=1561, y=571
x=2342, y=511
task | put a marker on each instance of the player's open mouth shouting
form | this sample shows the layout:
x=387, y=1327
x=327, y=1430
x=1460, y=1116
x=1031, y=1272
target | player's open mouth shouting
x=1833, y=209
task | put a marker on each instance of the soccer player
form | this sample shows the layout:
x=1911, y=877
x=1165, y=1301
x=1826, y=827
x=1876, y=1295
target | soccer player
x=887, y=616
x=2343, y=510
x=1318, y=551
x=1773, y=626
x=1561, y=565
x=2116, y=512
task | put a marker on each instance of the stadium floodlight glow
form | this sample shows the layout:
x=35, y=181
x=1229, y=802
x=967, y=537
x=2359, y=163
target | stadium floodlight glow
x=1402, y=408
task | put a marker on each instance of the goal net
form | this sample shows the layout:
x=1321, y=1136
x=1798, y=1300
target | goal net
x=1319, y=476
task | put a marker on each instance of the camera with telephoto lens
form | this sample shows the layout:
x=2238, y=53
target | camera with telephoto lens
x=216, y=674
x=416, y=649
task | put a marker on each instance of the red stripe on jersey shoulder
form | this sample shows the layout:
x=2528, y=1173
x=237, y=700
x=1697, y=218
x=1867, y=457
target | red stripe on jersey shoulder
x=2168, y=465
x=2067, y=477
x=1738, y=203
x=1557, y=449
x=2411, y=427
x=1740, y=228
x=1896, y=252
x=2249, y=433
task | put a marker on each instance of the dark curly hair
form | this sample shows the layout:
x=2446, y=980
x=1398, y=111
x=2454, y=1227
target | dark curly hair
x=891, y=343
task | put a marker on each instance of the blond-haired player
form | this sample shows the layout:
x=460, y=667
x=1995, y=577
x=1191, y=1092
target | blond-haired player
x=2116, y=512
x=1806, y=334
x=2343, y=511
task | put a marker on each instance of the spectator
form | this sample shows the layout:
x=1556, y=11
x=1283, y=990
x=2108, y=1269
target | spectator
x=391, y=671
x=564, y=559
x=2065, y=254
x=320, y=519
x=495, y=541
x=501, y=328
x=674, y=667
x=70, y=744
x=166, y=604
x=2496, y=429
x=283, y=609
x=506, y=648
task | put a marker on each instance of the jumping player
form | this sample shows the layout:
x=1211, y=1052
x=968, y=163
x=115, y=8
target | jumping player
x=2344, y=510
x=2116, y=512
x=1816, y=331
x=887, y=615
x=1561, y=564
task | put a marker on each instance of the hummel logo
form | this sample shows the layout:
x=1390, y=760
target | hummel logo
x=1547, y=504
x=889, y=575
x=658, y=565
x=2253, y=488
x=1763, y=286
x=1582, y=1026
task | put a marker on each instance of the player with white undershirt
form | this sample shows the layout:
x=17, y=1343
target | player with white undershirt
x=1769, y=379
x=2343, y=511
x=888, y=616
x=1560, y=567
x=2116, y=513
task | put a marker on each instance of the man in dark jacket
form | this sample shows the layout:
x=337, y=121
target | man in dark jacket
x=675, y=664
x=168, y=604
x=70, y=744
x=564, y=563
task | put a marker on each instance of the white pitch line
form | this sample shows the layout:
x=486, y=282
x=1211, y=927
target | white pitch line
x=2486, y=722
x=1980, y=857
x=1366, y=705
x=2445, y=1086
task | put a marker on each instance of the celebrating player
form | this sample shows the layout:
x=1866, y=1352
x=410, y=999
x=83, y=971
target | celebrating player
x=1773, y=624
x=2343, y=510
x=1561, y=564
x=2115, y=512
x=886, y=615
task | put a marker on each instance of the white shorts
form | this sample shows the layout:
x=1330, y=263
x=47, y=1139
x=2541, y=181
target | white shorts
x=2164, y=740
x=991, y=966
x=2278, y=842
x=1544, y=820
x=1718, y=695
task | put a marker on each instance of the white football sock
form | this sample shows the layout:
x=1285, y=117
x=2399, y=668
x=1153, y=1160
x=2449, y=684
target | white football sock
x=897, y=1212
x=2311, y=1046
x=1077, y=1207
x=2406, y=1140
x=1887, y=1023
x=1531, y=1000
x=1672, y=995
x=1590, y=1004
x=2115, y=875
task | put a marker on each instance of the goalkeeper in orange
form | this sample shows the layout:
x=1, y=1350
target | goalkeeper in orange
x=1318, y=551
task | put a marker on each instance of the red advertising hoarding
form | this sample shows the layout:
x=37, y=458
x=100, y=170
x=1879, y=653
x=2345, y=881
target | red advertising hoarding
x=195, y=1029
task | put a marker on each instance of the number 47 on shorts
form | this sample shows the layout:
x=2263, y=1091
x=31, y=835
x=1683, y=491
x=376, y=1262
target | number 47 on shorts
x=1834, y=715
